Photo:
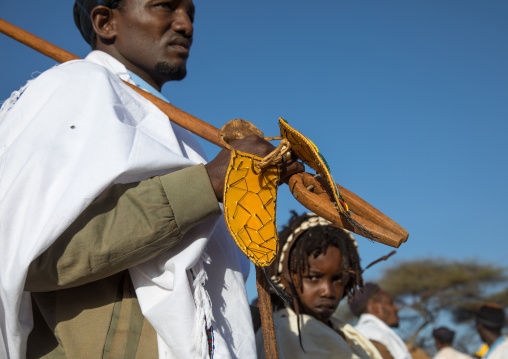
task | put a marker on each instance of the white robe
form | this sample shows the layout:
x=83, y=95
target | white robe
x=450, y=353
x=500, y=351
x=74, y=131
x=319, y=340
x=375, y=329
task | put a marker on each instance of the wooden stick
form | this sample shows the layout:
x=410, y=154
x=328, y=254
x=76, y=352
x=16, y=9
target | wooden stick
x=388, y=232
x=44, y=47
x=312, y=194
x=365, y=210
x=383, y=229
x=265, y=303
x=383, y=258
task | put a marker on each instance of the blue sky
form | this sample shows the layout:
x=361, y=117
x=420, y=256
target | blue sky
x=408, y=101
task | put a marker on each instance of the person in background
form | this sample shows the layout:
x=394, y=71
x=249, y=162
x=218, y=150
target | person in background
x=490, y=319
x=443, y=338
x=378, y=315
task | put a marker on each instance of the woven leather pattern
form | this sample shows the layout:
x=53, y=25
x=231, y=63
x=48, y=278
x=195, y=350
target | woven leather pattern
x=250, y=202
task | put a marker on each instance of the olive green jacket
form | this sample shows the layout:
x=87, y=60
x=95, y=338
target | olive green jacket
x=83, y=301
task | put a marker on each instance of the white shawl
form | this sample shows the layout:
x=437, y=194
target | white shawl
x=67, y=136
x=500, y=351
x=318, y=339
x=450, y=353
x=375, y=329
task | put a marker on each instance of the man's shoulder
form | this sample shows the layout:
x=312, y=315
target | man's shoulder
x=75, y=80
x=369, y=321
x=501, y=349
x=504, y=343
x=82, y=70
x=450, y=353
x=371, y=328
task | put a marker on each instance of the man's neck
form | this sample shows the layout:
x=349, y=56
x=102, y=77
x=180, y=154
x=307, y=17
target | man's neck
x=442, y=346
x=491, y=339
x=130, y=66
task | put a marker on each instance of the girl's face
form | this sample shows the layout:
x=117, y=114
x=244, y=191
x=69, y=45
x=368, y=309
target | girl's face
x=322, y=285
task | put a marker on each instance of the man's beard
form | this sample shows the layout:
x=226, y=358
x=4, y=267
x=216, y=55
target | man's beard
x=172, y=73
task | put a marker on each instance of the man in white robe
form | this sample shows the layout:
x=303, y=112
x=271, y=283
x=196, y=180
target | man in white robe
x=443, y=338
x=111, y=236
x=378, y=315
x=490, y=320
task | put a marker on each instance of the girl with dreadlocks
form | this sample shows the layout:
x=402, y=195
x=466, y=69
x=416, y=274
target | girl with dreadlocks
x=317, y=266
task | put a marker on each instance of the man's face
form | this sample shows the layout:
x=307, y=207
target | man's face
x=481, y=331
x=386, y=310
x=154, y=38
x=322, y=285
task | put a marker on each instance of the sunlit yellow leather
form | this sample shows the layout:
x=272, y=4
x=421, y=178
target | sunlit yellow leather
x=249, y=207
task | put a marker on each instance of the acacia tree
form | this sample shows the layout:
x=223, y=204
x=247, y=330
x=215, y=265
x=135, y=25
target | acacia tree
x=430, y=287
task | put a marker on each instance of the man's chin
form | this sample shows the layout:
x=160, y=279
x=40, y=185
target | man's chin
x=171, y=72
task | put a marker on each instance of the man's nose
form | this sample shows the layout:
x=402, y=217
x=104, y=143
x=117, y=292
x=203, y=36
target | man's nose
x=183, y=23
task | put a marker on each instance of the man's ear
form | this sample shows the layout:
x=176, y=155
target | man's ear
x=103, y=23
x=373, y=308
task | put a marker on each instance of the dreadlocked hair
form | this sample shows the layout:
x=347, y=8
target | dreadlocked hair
x=314, y=242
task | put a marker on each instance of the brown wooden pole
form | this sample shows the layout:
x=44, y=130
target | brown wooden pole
x=265, y=302
x=44, y=47
x=307, y=190
x=384, y=229
x=365, y=210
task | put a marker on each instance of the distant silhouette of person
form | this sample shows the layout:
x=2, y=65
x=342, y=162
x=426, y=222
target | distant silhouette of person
x=489, y=321
x=443, y=338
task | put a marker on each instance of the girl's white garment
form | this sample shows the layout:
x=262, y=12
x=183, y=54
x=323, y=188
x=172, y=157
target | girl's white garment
x=375, y=329
x=318, y=339
x=73, y=132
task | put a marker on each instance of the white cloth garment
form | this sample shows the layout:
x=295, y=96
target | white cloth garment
x=74, y=131
x=318, y=339
x=375, y=329
x=450, y=353
x=500, y=351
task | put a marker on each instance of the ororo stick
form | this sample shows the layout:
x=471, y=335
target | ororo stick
x=384, y=229
x=265, y=311
x=379, y=226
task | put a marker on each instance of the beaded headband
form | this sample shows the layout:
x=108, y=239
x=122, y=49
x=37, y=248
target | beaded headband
x=312, y=221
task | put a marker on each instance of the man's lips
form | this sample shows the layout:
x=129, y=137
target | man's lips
x=182, y=44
